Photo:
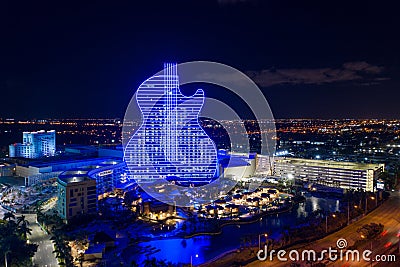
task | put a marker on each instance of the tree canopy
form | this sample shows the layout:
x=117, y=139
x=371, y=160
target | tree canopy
x=13, y=240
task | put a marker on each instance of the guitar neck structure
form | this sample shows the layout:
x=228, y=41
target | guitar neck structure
x=171, y=83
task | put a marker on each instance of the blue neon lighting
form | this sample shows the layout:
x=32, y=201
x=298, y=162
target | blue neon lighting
x=170, y=143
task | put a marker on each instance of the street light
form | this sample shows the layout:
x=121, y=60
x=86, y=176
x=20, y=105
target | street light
x=191, y=259
x=291, y=179
x=376, y=201
x=259, y=240
x=326, y=222
x=5, y=257
x=373, y=198
x=364, y=237
x=366, y=203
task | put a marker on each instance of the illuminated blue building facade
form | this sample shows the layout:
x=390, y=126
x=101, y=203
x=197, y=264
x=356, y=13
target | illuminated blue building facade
x=35, y=145
x=80, y=188
x=170, y=144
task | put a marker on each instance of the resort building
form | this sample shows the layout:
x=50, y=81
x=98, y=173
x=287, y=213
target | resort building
x=42, y=171
x=346, y=175
x=80, y=188
x=34, y=145
x=76, y=195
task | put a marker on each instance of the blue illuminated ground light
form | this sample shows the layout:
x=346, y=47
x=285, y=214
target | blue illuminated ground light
x=170, y=143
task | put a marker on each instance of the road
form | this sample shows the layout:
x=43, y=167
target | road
x=387, y=214
x=44, y=257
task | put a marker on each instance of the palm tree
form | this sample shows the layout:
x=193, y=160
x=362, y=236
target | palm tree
x=21, y=220
x=81, y=258
x=38, y=207
x=23, y=228
x=162, y=263
x=58, y=221
x=11, y=226
x=58, y=253
x=150, y=262
x=68, y=259
x=8, y=216
x=55, y=238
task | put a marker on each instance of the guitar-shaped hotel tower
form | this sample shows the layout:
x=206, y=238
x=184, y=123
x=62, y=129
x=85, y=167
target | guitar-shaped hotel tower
x=170, y=143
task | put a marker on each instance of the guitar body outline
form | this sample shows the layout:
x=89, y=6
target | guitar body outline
x=170, y=143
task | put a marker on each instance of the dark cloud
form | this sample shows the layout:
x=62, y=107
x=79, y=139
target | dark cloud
x=359, y=71
x=363, y=66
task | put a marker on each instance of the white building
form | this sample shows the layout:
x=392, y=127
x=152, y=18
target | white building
x=346, y=175
x=239, y=166
x=35, y=145
x=264, y=165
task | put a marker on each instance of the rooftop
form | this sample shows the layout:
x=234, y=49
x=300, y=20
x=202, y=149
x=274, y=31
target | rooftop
x=80, y=174
x=331, y=164
x=74, y=179
x=64, y=160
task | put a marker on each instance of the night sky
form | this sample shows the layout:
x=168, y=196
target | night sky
x=313, y=59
